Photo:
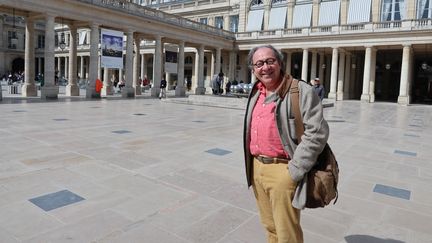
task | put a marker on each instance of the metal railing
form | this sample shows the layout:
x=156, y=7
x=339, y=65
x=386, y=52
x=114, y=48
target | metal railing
x=147, y=12
x=376, y=27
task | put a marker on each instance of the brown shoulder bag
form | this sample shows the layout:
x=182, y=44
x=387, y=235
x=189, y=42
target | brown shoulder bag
x=323, y=177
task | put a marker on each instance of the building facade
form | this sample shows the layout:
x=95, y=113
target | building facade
x=369, y=50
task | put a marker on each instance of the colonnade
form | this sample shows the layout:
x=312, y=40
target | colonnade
x=134, y=64
x=341, y=83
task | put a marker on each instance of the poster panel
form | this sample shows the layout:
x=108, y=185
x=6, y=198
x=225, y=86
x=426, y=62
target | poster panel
x=170, y=62
x=111, y=49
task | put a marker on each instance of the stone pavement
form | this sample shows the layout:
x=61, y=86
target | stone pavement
x=161, y=171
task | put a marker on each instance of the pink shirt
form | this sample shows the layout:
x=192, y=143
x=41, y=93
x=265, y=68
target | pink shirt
x=265, y=138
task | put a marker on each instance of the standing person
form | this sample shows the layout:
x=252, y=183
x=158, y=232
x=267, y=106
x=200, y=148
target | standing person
x=216, y=83
x=319, y=88
x=228, y=87
x=275, y=164
x=220, y=83
x=162, y=86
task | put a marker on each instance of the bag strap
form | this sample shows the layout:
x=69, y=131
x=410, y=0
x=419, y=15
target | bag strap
x=294, y=91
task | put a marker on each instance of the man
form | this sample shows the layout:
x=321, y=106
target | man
x=162, y=86
x=319, y=88
x=275, y=164
x=216, y=83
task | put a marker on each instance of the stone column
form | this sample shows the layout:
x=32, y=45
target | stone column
x=82, y=75
x=313, y=72
x=288, y=62
x=232, y=67
x=320, y=67
x=212, y=64
x=143, y=70
x=72, y=89
x=136, y=70
x=347, y=76
x=29, y=87
x=218, y=61
x=405, y=82
x=49, y=90
x=120, y=74
x=180, y=88
x=341, y=76
x=366, y=74
x=67, y=68
x=157, y=67
x=99, y=75
x=333, y=74
x=372, y=76
x=58, y=70
x=304, y=74
x=200, y=90
x=128, y=90
x=39, y=67
x=107, y=88
x=94, y=62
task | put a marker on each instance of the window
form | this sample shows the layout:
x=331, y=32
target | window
x=392, y=10
x=424, y=9
x=279, y=2
x=277, y=18
x=188, y=60
x=234, y=19
x=359, y=11
x=41, y=41
x=329, y=13
x=12, y=40
x=203, y=20
x=255, y=20
x=219, y=22
x=302, y=15
x=256, y=3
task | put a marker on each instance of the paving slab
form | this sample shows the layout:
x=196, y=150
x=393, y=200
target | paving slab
x=172, y=170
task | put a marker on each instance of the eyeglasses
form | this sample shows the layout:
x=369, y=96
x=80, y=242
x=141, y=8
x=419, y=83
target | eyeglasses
x=268, y=61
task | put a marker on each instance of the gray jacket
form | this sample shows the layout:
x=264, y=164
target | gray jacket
x=304, y=155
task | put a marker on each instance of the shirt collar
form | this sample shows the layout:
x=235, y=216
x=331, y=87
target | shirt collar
x=262, y=89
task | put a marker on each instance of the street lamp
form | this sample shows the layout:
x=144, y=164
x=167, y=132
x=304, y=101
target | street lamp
x=14, y=38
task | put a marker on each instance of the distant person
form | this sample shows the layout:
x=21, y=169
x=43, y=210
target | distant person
x=162, y=86
x=121, y=84
x=189, y=83
x=146, y=81
x=319, y=88
x=228, y=87
x=216, y=83
x=98, y=86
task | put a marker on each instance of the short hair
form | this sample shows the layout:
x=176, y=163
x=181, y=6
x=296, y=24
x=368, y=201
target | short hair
x=317, y=79
x=221, y=74
x=278, y=55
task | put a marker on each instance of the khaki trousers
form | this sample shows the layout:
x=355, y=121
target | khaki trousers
x=274, y=190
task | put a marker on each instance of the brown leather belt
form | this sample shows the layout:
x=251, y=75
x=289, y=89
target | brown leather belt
x=269, y=160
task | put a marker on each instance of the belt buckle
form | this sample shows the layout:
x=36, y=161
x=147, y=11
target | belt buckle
x=265, y=160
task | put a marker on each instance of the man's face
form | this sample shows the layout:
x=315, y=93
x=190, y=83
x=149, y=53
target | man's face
x=266, y=68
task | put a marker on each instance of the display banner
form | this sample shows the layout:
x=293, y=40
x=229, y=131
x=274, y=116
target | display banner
x=170, y=62
x=111, y=49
